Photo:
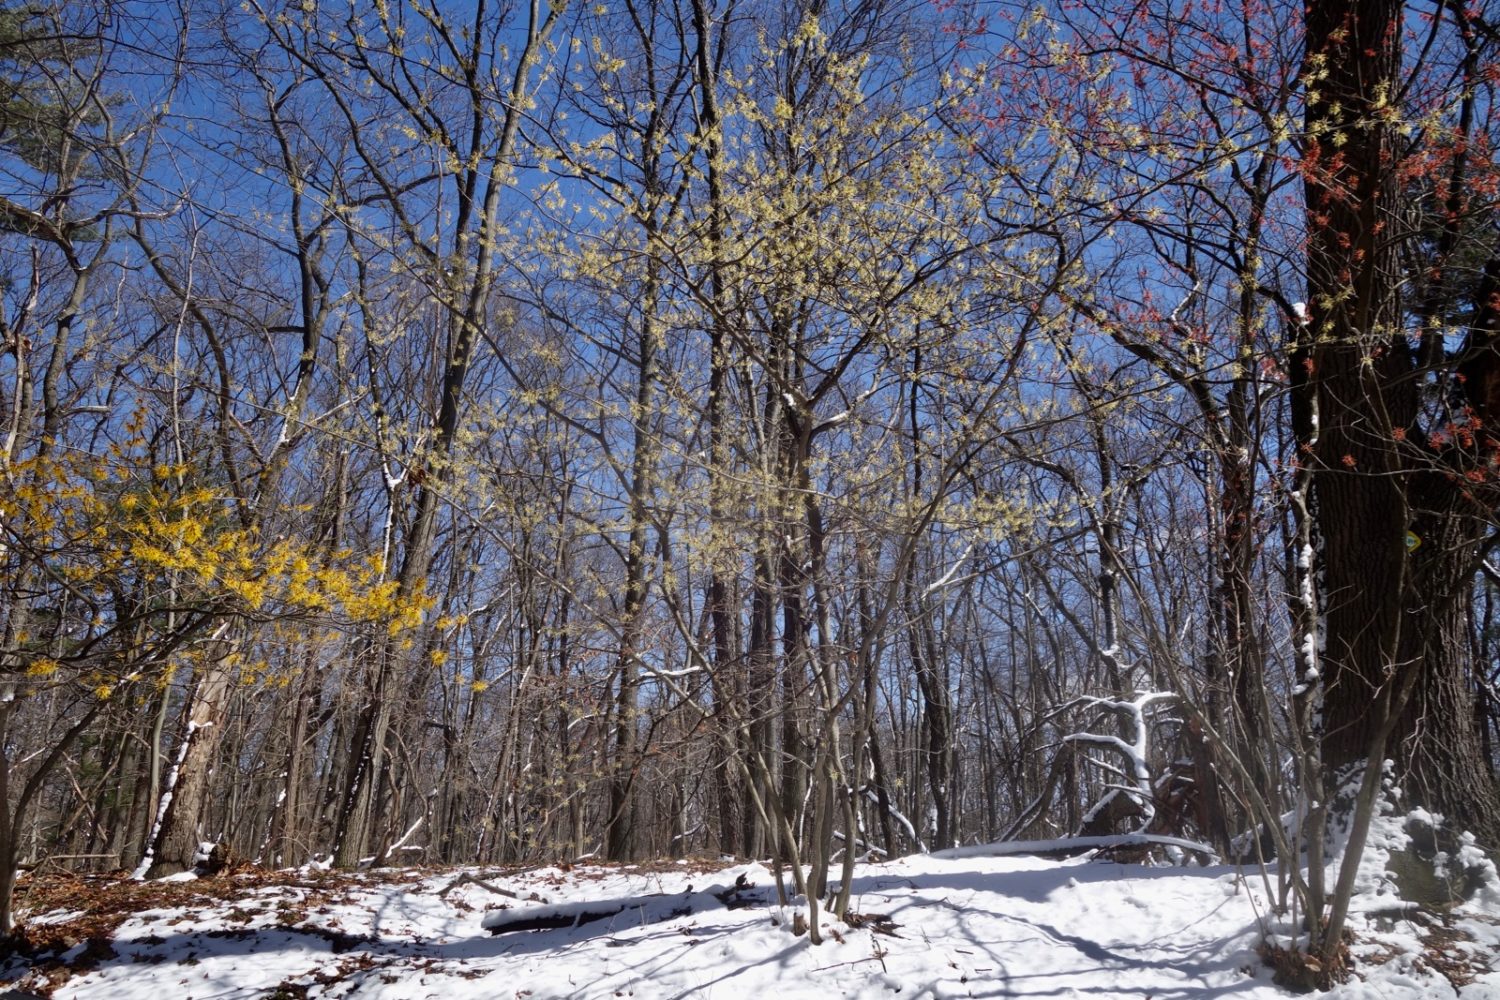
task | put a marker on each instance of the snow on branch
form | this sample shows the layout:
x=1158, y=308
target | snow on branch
x=1071, y=845
x=946, y=580
x=1134, y=747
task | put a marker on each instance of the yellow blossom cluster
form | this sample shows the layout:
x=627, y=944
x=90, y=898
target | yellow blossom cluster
x=101, y=524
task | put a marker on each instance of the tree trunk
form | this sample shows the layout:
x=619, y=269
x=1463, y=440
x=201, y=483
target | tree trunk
x=1387, y=611
x=622, y=799
x=179, y=833
x=727, y=668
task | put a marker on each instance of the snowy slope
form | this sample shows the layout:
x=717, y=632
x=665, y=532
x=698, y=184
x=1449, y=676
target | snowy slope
x=952, y=927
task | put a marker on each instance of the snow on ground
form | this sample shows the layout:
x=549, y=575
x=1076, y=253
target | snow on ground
x=951, y=927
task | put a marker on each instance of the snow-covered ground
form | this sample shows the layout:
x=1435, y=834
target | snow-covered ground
x=969, y=926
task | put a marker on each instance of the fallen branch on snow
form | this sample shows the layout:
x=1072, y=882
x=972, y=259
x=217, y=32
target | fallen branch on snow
x=1076, y=845
x=469, y=879
x=638, y=910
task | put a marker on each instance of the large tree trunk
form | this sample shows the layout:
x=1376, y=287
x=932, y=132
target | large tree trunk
x=180, y=830
x=1437, y=744
x=1395, y=661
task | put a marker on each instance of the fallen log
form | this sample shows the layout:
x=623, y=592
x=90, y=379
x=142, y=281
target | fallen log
x=635, y=910
x=1069, y=846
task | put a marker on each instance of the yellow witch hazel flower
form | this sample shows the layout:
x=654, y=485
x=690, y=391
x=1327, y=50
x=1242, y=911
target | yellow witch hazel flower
x=42, y=667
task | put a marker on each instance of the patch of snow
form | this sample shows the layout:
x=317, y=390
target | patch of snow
x=55, y=917
x=969, y=921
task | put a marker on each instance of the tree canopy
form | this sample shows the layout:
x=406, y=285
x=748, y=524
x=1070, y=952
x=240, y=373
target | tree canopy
x=815, y=430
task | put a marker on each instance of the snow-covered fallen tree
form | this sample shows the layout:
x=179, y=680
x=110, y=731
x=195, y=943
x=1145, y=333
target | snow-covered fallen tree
x=636, y=910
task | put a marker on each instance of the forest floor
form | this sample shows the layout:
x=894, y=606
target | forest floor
x=930, y=926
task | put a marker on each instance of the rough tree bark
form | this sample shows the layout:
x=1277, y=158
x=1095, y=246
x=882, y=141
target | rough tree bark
x=1394, y=616
x=175, y=844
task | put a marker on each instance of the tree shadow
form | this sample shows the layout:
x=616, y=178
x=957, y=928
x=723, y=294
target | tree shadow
x=1002, y=949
